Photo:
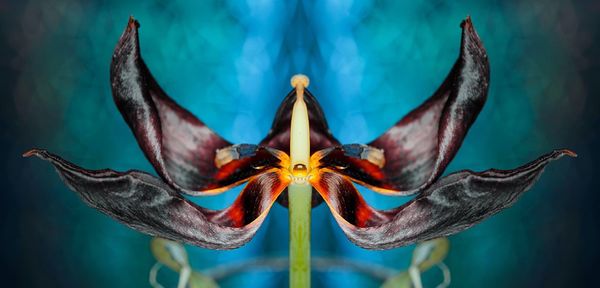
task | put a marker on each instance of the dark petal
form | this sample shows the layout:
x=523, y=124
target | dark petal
x=179, y=146
x=350, y=161
x=145, y=203
x=279, y=135
x=252, y=161
x=419, y=147
x=451, y=205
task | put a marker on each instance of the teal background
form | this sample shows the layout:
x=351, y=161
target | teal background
x=369, y=63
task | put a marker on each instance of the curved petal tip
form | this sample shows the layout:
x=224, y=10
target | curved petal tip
x=467, y=23
x=132, y=24
x=34, y=152
x=567, y=152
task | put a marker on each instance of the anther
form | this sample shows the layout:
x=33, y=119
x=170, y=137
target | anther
x=374, y=156
x=299, y=80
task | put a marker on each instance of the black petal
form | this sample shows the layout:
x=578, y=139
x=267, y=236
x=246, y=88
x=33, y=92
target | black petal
x=451, y=205
x=179, y=146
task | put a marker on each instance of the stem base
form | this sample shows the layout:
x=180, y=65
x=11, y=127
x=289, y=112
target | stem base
x=300, y=197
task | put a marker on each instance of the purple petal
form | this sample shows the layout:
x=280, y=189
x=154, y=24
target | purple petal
x=179, y=146
x=146, y=204
x=451, y=205
x=418, y=148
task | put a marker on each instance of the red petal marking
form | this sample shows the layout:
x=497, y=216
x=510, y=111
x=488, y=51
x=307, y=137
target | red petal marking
x=255, y=199
x=344, y=200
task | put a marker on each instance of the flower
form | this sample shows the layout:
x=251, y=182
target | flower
x=407, y=159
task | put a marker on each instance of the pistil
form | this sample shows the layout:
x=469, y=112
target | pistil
x=299, y=191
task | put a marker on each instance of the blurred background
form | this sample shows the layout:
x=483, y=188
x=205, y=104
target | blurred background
x=369, y=62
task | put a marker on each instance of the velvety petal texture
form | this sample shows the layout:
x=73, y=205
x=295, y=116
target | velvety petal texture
x=179, y=146
x=418, y=148
x=453, y=204
x=145, y=203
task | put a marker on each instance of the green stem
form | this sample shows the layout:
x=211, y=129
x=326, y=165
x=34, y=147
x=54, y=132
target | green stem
x=299, y=196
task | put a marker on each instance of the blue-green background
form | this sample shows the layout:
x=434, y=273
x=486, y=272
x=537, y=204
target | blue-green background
x=369, y=63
